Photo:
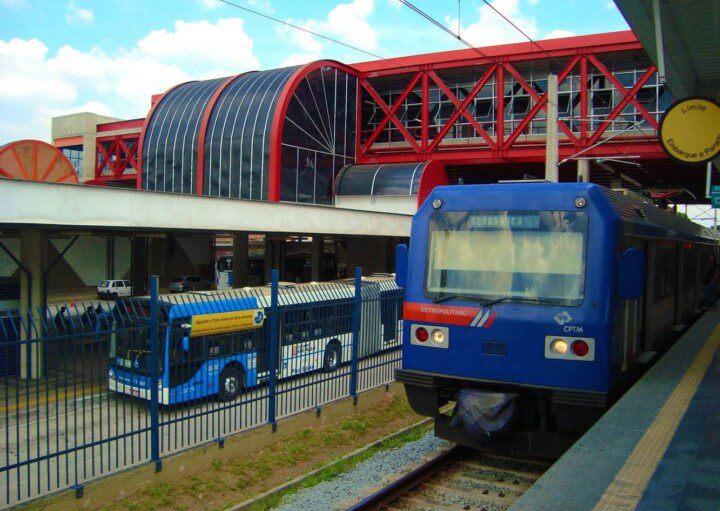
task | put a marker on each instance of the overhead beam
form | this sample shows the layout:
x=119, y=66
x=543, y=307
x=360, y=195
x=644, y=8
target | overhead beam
x=27, y=203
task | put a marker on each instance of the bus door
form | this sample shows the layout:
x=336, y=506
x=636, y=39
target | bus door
x=370, y=341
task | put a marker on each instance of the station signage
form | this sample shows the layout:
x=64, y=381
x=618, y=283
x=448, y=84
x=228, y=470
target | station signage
x=222, y=322
x=690, y=130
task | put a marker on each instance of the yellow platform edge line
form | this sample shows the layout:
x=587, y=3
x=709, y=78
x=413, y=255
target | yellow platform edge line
x=59, y=396
x=625, y=491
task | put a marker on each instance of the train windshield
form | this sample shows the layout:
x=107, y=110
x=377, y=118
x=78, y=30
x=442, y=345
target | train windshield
x=527, y=256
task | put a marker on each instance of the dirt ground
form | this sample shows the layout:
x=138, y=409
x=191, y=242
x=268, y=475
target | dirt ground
x=233, y=481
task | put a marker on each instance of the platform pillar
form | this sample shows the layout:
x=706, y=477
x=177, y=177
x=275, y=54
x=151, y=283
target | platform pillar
x=316, y=273
x=241, y=257
x=583, y=171
x=138, y=272
x=33, y=255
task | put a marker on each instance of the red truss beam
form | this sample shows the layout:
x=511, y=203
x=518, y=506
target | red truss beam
x=461, y=108
x=390, y=113
x=540, y=102
x=501, y=147
x=120, y=155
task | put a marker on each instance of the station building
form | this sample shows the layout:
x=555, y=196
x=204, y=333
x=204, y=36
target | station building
x=372, y=137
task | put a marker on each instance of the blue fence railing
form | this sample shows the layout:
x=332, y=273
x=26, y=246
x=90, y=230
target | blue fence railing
x=92, y=388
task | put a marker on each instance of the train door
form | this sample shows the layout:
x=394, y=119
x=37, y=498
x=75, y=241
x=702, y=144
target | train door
x=687, y=298
x=661, y=295
x=630, y=322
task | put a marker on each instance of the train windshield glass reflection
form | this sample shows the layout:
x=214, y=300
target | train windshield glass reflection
x=536, y=256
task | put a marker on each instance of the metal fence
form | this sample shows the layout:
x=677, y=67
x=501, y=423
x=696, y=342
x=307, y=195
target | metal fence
x=89, y=389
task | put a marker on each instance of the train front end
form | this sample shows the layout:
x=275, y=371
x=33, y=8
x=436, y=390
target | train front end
x=507, y=309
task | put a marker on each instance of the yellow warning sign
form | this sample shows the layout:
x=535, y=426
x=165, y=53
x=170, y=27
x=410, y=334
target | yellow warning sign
x=221, y=322
x=690, y=130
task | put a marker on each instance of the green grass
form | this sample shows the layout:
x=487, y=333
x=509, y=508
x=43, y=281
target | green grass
x=341, y=466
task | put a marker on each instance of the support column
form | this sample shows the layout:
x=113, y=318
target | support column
x=138, y=272
x=279, y=256
x=269, y=259
x=241, y=249
x=583, y=171
x=551, y=146
x=110, y=257
x=318, y=245
x=33, y=254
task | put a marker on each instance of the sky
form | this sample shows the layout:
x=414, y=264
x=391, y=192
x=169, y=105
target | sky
x=109, y=56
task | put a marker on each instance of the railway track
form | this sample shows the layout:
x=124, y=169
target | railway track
x=458, y=479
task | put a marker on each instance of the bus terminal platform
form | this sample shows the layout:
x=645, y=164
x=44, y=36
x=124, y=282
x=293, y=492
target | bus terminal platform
x=657, y=448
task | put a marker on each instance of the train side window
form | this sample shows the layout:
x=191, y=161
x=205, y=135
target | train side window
x=664, y=273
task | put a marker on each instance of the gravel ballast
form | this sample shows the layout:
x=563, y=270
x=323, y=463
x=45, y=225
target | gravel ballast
x=356, y=483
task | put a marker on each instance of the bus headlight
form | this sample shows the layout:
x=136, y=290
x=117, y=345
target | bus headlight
x=438, y=336
x=559, y=346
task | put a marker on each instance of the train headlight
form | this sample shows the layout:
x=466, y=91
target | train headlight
x=559, y=346
x=438, y=336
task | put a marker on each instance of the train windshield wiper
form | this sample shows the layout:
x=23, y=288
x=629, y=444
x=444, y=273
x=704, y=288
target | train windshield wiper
x=444, y=298
x=490, y=303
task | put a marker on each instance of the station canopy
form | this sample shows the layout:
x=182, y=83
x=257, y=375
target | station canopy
x=281, y=134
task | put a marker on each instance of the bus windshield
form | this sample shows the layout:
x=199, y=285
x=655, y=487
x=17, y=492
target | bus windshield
x=528, y=256
x=130, y=349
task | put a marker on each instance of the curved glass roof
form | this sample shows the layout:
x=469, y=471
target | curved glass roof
x=380, y=179
x=169, y=159
x=237, y=140
x=318, y=136
x=236, y=116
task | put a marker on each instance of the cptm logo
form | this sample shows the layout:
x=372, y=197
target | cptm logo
x=563, y=318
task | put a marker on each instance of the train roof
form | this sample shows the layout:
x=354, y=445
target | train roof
x=639, y=216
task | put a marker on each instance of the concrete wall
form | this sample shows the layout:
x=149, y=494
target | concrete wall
x=7, y=265
x=87, y=257
x=405, y=205
x=123, y=257
x=370, y=253
x=82, y=124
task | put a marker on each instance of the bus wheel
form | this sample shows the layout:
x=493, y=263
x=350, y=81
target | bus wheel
x=332, y=358
x=230, y=383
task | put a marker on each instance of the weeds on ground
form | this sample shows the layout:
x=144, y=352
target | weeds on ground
x=233, y=478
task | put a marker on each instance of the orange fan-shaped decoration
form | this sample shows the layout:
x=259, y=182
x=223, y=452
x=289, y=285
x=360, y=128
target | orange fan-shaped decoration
x=34, y=160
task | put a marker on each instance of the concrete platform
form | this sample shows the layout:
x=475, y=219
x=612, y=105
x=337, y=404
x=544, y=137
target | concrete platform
x=658, y=448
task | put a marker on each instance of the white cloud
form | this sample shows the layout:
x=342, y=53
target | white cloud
x=79, y=16
x=298, y=59
x=558, y=33
x=395, y=3
x=533, y=2
x=224, y=44
x=36, y=85
x=346, y=22
x=489, y=28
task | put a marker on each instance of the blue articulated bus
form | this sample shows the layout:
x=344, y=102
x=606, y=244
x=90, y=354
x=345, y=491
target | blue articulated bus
x=218, y=344
x=533, y=306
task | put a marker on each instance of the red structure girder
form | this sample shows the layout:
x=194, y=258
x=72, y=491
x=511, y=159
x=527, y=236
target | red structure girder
x=119, y=154
x=460, y=108
x=502, y=146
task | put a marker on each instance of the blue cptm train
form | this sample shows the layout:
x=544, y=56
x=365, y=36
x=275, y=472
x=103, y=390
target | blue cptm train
x=533, y=306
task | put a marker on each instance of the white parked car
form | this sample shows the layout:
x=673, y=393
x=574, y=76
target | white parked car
x=114, y=288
